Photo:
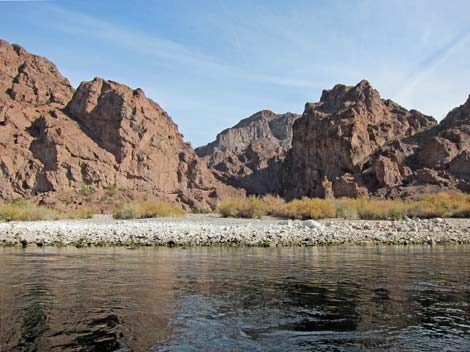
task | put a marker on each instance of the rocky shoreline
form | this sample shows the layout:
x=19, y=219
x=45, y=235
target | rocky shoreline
x=212, y=230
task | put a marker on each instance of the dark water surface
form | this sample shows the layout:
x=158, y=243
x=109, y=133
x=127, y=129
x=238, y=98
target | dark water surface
x=252, y=299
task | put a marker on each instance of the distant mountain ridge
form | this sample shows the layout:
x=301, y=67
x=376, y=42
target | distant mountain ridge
x=249, y=154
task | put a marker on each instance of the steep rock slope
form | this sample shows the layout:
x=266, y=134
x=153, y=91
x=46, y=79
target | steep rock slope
x=30, y=87
x=335, y=139
x=54, y=140
x=437, y=159
x=250, y=154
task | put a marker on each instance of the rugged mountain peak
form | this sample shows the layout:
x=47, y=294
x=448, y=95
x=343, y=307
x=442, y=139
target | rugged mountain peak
x=119, y=118
x=54, y=140
x=249, y=154
x=31, y=79
x=334, y=139
x=458, y=116
x=343, y=97
x=256, y=117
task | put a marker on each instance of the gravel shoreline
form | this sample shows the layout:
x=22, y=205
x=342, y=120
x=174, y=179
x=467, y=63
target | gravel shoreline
x=211, y=230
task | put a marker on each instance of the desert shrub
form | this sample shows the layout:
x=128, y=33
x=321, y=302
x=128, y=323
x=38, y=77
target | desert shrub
x=83, y=212
x=158, y=208
x=8, y=213
x=24, y=211
x=201, y=211
x=346, y=209
x=126, y=211
x=434, y=205
x=307, y=208
x=273, y=203
x=441, y=205
x=229, y=207
x=378, y=209
x=251, y=207
x=147, y=209
x=254, y=208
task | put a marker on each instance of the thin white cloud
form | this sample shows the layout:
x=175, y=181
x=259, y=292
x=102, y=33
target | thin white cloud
x=431, y=64
x=171, y=52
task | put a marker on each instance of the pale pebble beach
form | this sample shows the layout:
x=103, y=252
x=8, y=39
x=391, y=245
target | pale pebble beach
x=212, y=230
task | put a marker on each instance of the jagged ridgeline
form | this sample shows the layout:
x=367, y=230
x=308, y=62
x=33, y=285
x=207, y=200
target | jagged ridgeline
x=250, y=154
x=55, y=139
x=352, y=143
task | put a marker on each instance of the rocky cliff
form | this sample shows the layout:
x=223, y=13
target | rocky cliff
x=437, y=159
x=250, y=154
x=54, y=140
x=353, y=143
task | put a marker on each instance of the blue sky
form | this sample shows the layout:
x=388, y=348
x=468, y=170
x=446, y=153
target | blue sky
x=211, y=63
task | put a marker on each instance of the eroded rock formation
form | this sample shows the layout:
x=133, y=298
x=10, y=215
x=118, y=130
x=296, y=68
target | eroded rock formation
x=353, y=143
x=250, y=154
x=104, y=134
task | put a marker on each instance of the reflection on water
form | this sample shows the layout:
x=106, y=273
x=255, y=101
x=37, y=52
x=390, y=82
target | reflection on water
x=214, y=299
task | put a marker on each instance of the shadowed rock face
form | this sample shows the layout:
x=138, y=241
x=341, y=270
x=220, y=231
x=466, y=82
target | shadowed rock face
x=53, y=139
x=250, y=154
x=334, y=140
x=433, y=160
x=352, y=144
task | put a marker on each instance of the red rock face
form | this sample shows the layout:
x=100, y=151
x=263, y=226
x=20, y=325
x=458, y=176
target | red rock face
x=54, y=140
x=335, y=139
x=447, y=147
x=350, y=144
x=250, y=154
x=434, y=160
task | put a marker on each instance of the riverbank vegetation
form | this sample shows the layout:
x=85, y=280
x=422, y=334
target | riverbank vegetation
x=20, y=210
x=434, y=205
x=148, y=209
x=25, y=211
x=444, y=205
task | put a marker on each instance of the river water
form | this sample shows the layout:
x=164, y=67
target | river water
x=239, y=299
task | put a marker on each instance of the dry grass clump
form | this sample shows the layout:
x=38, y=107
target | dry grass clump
x=434, y=205
x=24, y=211
x=157, y=208
x=83, y=212
x=273, y=203
x=306, y=208
x=255, y=207
x=346, y=208
x=148, y=209
x=376, y=209
x=456, y=205
x=251, y=207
